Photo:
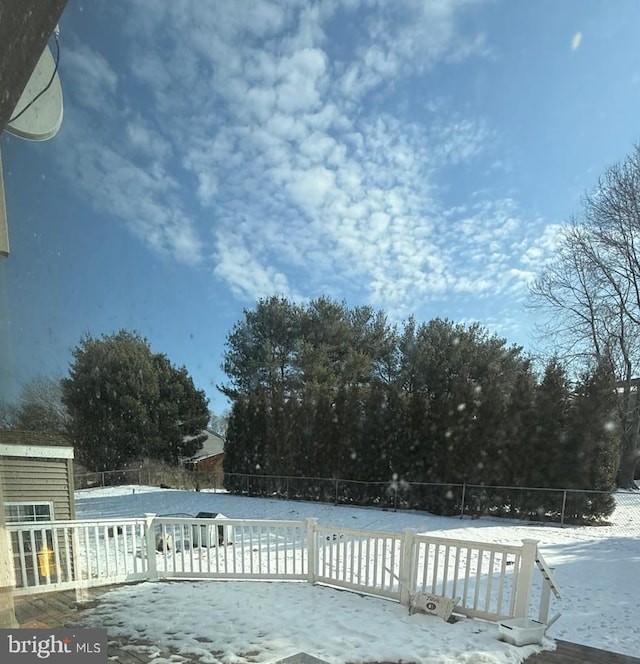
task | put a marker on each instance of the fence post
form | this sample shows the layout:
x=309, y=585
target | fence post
x=464, y=491
x=312, y=550
x=336, y=498
x=564, y=506
x=407, y=565
x=102, y=473
x=152, y=570
x=525, y=577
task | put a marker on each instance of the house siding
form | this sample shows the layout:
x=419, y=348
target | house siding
x=37, y=467
x=39, y=480
x=210, y=463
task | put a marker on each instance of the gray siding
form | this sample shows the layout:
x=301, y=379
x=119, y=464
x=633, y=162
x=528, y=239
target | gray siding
x=39, y=480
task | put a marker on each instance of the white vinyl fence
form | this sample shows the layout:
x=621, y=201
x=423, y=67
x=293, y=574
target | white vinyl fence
x=485, y=580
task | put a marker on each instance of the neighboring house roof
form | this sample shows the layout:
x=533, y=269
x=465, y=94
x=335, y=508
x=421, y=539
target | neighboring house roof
x=633, y=382
x=212, y=446
x=17, y=443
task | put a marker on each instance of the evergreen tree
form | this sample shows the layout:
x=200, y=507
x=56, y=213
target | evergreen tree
x=125, y=403
x=596, y=442
x=236, y=445
x=550, y=456
x=519, y=426
x=380, y=448
x=261, y=350
x=179, y=414
x=335, y=392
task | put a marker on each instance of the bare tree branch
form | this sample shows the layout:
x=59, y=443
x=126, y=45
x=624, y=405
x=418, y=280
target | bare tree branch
x=591, y=292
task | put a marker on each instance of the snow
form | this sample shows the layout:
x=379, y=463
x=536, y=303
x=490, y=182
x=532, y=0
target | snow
x=221, y=621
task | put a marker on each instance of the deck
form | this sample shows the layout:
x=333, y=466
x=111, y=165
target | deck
x=61, y=608
x=574, y=653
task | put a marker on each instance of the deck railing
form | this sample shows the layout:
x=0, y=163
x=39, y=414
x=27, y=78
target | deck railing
x=361, y=560
x=226, y=549
x=59, y=555
x=485, y=580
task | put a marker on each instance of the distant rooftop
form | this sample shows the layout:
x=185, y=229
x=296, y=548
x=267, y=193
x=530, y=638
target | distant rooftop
x=212, y=446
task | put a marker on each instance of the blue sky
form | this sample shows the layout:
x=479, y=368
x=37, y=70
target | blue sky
x=415, y=156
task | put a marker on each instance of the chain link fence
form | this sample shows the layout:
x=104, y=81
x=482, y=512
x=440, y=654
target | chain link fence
x=564, y=506
x=165, y=476
x=561, y=506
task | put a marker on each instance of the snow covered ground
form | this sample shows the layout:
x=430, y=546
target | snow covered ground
x=228, y=622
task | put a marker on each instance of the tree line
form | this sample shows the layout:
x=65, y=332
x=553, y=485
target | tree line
x=325, y=390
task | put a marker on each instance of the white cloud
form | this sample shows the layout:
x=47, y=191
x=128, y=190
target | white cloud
x=141, y=193
x=575, y=41
x=183, y=243
x=207, y=186
x=307, y=174
x=238, y=266
x=145, y=140
x=91, y=79
x=542, y=248
x=310, y=188
x=301, y=78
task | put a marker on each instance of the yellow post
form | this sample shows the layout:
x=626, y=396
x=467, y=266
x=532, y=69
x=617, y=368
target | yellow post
x=46, y=566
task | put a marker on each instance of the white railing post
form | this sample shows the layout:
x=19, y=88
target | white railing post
x=545, y=600
x=525, y=577
x=407, y=565
x=312, y=550
x=80, y=575
x=152, y=570
x=548, y=586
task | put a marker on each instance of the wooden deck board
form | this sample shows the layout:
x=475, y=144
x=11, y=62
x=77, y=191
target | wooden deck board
x=62, y=608
x=57, y=609
x=575, y=653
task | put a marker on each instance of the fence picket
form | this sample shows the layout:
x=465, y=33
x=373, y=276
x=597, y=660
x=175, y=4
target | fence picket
x=490, y=574
x=445, y=574
x=476, y=577
x=503, y=574
x=23, y=566
x=436, y=560
x=69, y=572
x=467, y=575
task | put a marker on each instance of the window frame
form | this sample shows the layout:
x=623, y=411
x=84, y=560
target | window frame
x=9, y=519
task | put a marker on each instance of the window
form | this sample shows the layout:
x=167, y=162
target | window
x=21, y=512
x=27, y=543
